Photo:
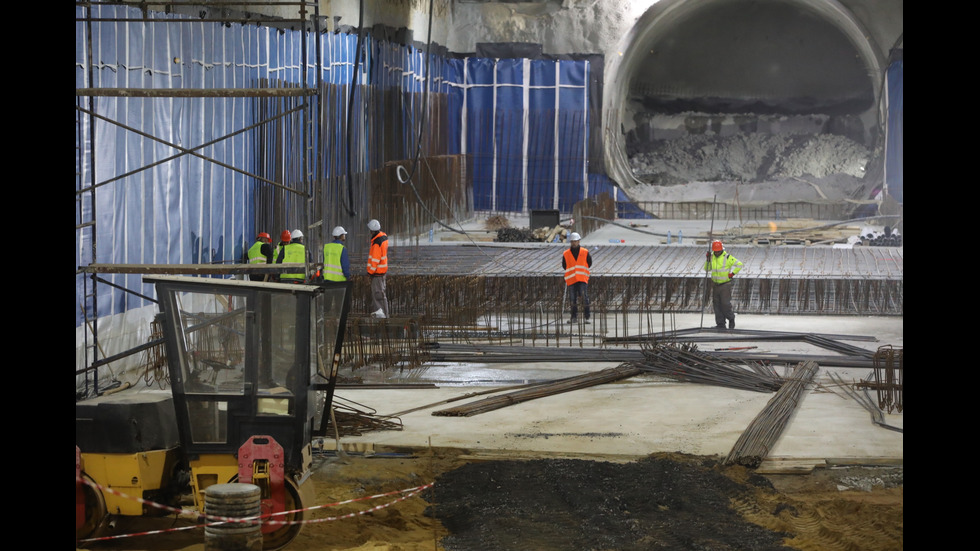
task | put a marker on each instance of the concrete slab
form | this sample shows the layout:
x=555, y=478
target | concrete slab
x=645, y=414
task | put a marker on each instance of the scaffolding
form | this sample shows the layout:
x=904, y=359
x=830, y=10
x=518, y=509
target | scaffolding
x=296, y=200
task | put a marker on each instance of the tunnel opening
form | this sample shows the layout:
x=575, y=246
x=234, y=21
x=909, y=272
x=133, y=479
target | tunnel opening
x=752, y=91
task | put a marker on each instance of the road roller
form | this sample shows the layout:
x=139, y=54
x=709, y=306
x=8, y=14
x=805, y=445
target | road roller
x=252, y=369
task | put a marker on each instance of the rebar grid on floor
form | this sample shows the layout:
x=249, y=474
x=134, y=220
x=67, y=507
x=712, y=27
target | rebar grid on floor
x=384, y=343
x=535, y=309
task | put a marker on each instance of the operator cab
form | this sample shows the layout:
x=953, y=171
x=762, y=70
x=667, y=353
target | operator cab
x=248, y=358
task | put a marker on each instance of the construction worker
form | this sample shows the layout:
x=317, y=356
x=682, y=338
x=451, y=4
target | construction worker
x=283, y=240
x=377, y=268
x=260, y=253
x=722, y=267
x=577, y=263
x=336, y=263
x=294, y=251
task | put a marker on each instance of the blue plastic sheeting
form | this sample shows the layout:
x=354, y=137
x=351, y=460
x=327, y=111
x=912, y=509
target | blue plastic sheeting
x=895, y=142
x=175, y=177
x=170, y=182
x=527, y=132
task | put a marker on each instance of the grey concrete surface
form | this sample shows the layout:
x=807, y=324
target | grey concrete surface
x=644, y=414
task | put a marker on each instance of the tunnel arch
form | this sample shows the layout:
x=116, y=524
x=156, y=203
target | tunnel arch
x=700, y=69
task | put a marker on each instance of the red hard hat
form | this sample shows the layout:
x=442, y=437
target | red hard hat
x=263, y=235
x=716, y=246
x=284, y=236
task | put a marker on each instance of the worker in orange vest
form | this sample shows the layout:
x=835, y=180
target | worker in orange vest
x=577, y=263
x=377, y=269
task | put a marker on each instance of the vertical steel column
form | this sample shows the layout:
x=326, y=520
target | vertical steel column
x=95, y=294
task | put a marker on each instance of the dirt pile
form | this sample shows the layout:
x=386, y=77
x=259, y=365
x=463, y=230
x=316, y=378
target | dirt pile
x=656, y=503
x=665, y=501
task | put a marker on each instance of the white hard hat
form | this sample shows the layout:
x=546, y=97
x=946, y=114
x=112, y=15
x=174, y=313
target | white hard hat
x=338, y=231
x=296, y=234
x=574, y=236
x=374, y=225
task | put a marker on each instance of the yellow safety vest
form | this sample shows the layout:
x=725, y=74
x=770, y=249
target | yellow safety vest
x=295, y=252
x=721, y=266
x=332, y=270
x=255, y=255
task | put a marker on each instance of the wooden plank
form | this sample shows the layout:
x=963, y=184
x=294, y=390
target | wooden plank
x=789, y=466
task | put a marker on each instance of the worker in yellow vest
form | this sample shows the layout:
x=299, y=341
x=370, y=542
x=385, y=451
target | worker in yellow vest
x=723, y=268
x=260, y=253
x=294, y=251
x=283, y=239
x=336, y=262
x=577, y=263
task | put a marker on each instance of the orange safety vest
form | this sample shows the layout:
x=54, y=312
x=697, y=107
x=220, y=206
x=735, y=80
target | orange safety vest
x=378, y=256
x=576, y=269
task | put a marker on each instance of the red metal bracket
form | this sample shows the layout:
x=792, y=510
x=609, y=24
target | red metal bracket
x=265, y=449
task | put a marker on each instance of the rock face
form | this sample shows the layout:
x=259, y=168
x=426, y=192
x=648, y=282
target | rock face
x=698, y=157
x=749, y=158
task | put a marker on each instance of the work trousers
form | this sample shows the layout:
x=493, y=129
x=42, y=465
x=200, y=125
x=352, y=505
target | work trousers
x=576, y=290
x=379, y=298
x=721, y=299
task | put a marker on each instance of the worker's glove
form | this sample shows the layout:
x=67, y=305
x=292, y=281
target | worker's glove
x=708, y=255
x=731, y=275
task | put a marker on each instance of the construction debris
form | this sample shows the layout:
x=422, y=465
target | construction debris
x=544, y=234
x=515, y=235
x=496, y=222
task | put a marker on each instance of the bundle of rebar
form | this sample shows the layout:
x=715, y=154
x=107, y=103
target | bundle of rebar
x=568, y=384
x=888, y=375
x=760, y=436
x=355, y=421
x=683, y=362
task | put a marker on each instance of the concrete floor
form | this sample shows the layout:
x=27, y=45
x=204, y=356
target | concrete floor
x=643, y=414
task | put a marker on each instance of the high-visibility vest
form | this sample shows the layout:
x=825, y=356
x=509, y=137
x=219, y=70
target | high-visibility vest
x=378, y=256
x=332, y=269
x=255, y=255
x=576, y=269
x=721, y=266
x=294, y=252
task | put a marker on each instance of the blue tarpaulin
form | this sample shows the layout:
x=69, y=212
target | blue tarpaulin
x=175, y=177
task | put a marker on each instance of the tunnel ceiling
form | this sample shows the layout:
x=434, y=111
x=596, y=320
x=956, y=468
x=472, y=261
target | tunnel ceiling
x=759, y=56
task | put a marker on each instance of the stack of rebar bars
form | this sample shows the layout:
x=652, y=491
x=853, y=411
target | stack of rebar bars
x=568, y=384
x=683, y=362
x=760, y=436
